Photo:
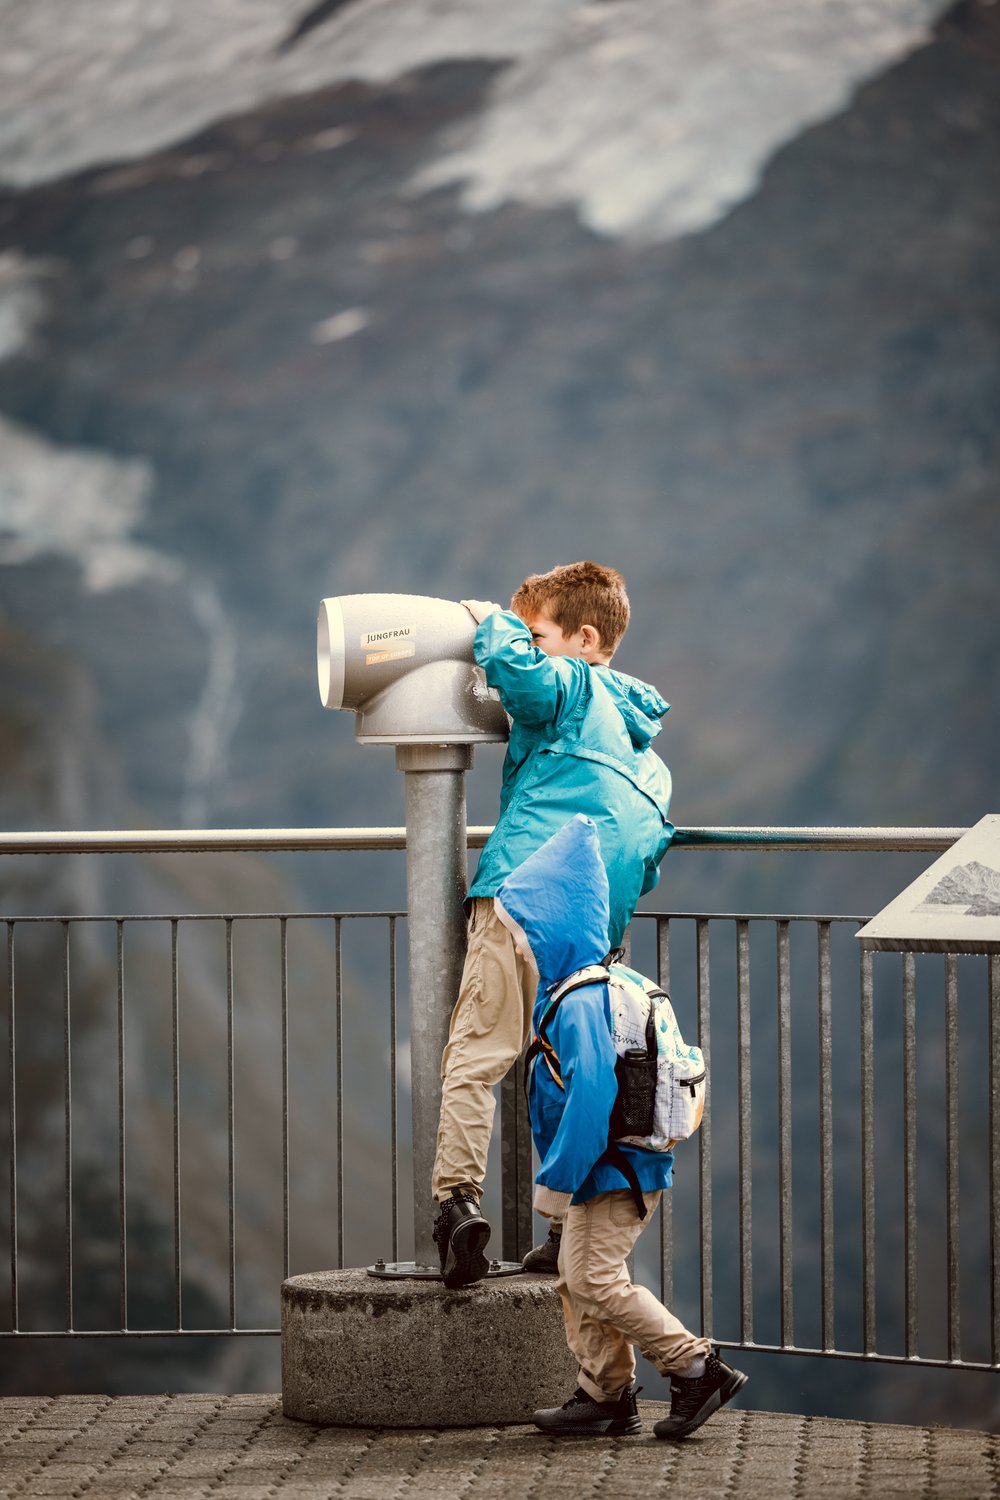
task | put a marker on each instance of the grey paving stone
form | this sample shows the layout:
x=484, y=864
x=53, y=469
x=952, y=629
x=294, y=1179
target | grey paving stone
x=241, y=1491
x=177, y=1425
x=138, y=1464
x=185, y=1487
x=197, y=1464
x=236, y=1427
x=30, y=1446
x=122, y=1403
x=152, y=1447
x=47, y=1483
x=70, y=1468
x=95, y=1440
x=309, y=1473
x=59, y=1421
x=117, y=1483
x=307, y=1490
x=842, y=1443
x=114, y=1420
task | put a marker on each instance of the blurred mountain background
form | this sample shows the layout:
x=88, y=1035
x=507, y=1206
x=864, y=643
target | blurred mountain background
x=306, y=301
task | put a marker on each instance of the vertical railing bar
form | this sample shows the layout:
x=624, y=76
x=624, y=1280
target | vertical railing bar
x=705, y=1133
x=909, y=976
x=515, y=1166
x=744, y=1128
x=667, y=1201
x=867, y=1152
x=175, y=1106
x=231, y=1119
x=338, y=972
x=393, y=1102
x=825, y=1029
x=993, y=969
x=667, y=1249
x=286, y=1257
x=951, y=1154
x=784, y=1024
x=122, y=1200
x=663, y=953
x=68, y=1127
x=12, y=1116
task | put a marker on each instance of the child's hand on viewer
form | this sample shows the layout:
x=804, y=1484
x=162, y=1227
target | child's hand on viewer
x=480, y=608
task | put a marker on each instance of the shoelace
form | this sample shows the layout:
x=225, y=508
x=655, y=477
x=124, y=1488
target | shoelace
x=440, y=1223
x=687, y=1398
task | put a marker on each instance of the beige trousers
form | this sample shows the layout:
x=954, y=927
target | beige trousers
x=605, y=1313
x=489, y=1027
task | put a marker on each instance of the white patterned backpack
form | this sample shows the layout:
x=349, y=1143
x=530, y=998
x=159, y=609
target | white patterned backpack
x=661, y=1080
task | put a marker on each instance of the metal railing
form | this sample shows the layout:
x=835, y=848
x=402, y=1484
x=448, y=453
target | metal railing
x=843, y=1178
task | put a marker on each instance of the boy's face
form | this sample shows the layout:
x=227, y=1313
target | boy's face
x=548, y=637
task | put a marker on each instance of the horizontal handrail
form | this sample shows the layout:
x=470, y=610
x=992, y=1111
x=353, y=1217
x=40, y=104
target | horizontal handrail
x=245, y=840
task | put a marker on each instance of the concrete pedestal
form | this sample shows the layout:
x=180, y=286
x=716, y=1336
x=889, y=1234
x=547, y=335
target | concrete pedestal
x=358, y=1351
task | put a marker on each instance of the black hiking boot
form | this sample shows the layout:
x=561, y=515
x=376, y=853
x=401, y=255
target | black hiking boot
x=460, y=1233
x=693, y=1401
x=582, y=1416
x=545, y=1257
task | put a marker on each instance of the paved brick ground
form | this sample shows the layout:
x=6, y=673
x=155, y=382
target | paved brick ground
x=242, y=1448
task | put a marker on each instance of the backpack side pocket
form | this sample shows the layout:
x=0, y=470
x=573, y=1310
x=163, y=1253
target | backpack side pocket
x=682, y=1098
x=635, y=1106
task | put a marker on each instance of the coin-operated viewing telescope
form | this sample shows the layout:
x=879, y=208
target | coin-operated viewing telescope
x=403, y=665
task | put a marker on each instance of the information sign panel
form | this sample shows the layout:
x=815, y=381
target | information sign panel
x=953, y=907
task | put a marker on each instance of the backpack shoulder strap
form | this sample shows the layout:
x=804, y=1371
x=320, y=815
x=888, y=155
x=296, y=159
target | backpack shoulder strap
x=616, y=1156
x=591, y=974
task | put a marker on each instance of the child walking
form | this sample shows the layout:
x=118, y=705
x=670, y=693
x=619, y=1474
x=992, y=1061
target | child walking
x=556, y=908
x=580, y=741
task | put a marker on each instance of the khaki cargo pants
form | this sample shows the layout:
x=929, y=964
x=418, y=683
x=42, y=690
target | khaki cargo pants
x=489, y=1027
x=604, y=1312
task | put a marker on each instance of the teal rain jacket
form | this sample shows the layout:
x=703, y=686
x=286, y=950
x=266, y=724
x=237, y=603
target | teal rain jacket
x=559, y=900
x=579, y=743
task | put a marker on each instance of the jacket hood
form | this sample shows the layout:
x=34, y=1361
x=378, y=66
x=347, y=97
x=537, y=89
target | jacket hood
x=558, y=900
x=639, y=704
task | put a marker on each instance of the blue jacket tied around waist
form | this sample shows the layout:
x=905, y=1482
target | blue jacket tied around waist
x=579, y=743
x=558, y=898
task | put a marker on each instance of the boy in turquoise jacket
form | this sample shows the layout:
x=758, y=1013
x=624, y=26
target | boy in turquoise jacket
x=556, y=909
x=580, y=742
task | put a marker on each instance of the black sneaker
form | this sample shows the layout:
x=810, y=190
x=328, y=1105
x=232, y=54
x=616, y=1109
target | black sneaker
x=582, y=1416
x=460, y=1233
x=693, y=1401
x=545, y=1257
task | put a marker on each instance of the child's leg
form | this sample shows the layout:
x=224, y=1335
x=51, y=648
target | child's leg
x=489, y=1027
x=604, y=1312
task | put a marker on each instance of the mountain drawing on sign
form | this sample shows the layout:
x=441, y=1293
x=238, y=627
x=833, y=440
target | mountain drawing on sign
x=974, y=886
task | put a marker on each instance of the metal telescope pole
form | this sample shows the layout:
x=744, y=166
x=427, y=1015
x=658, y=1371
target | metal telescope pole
x=435, y=889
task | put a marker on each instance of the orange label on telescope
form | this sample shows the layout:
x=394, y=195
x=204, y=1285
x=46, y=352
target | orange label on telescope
x=377, y=658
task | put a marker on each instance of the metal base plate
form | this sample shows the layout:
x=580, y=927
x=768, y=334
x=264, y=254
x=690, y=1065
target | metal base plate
x=403, y=1269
